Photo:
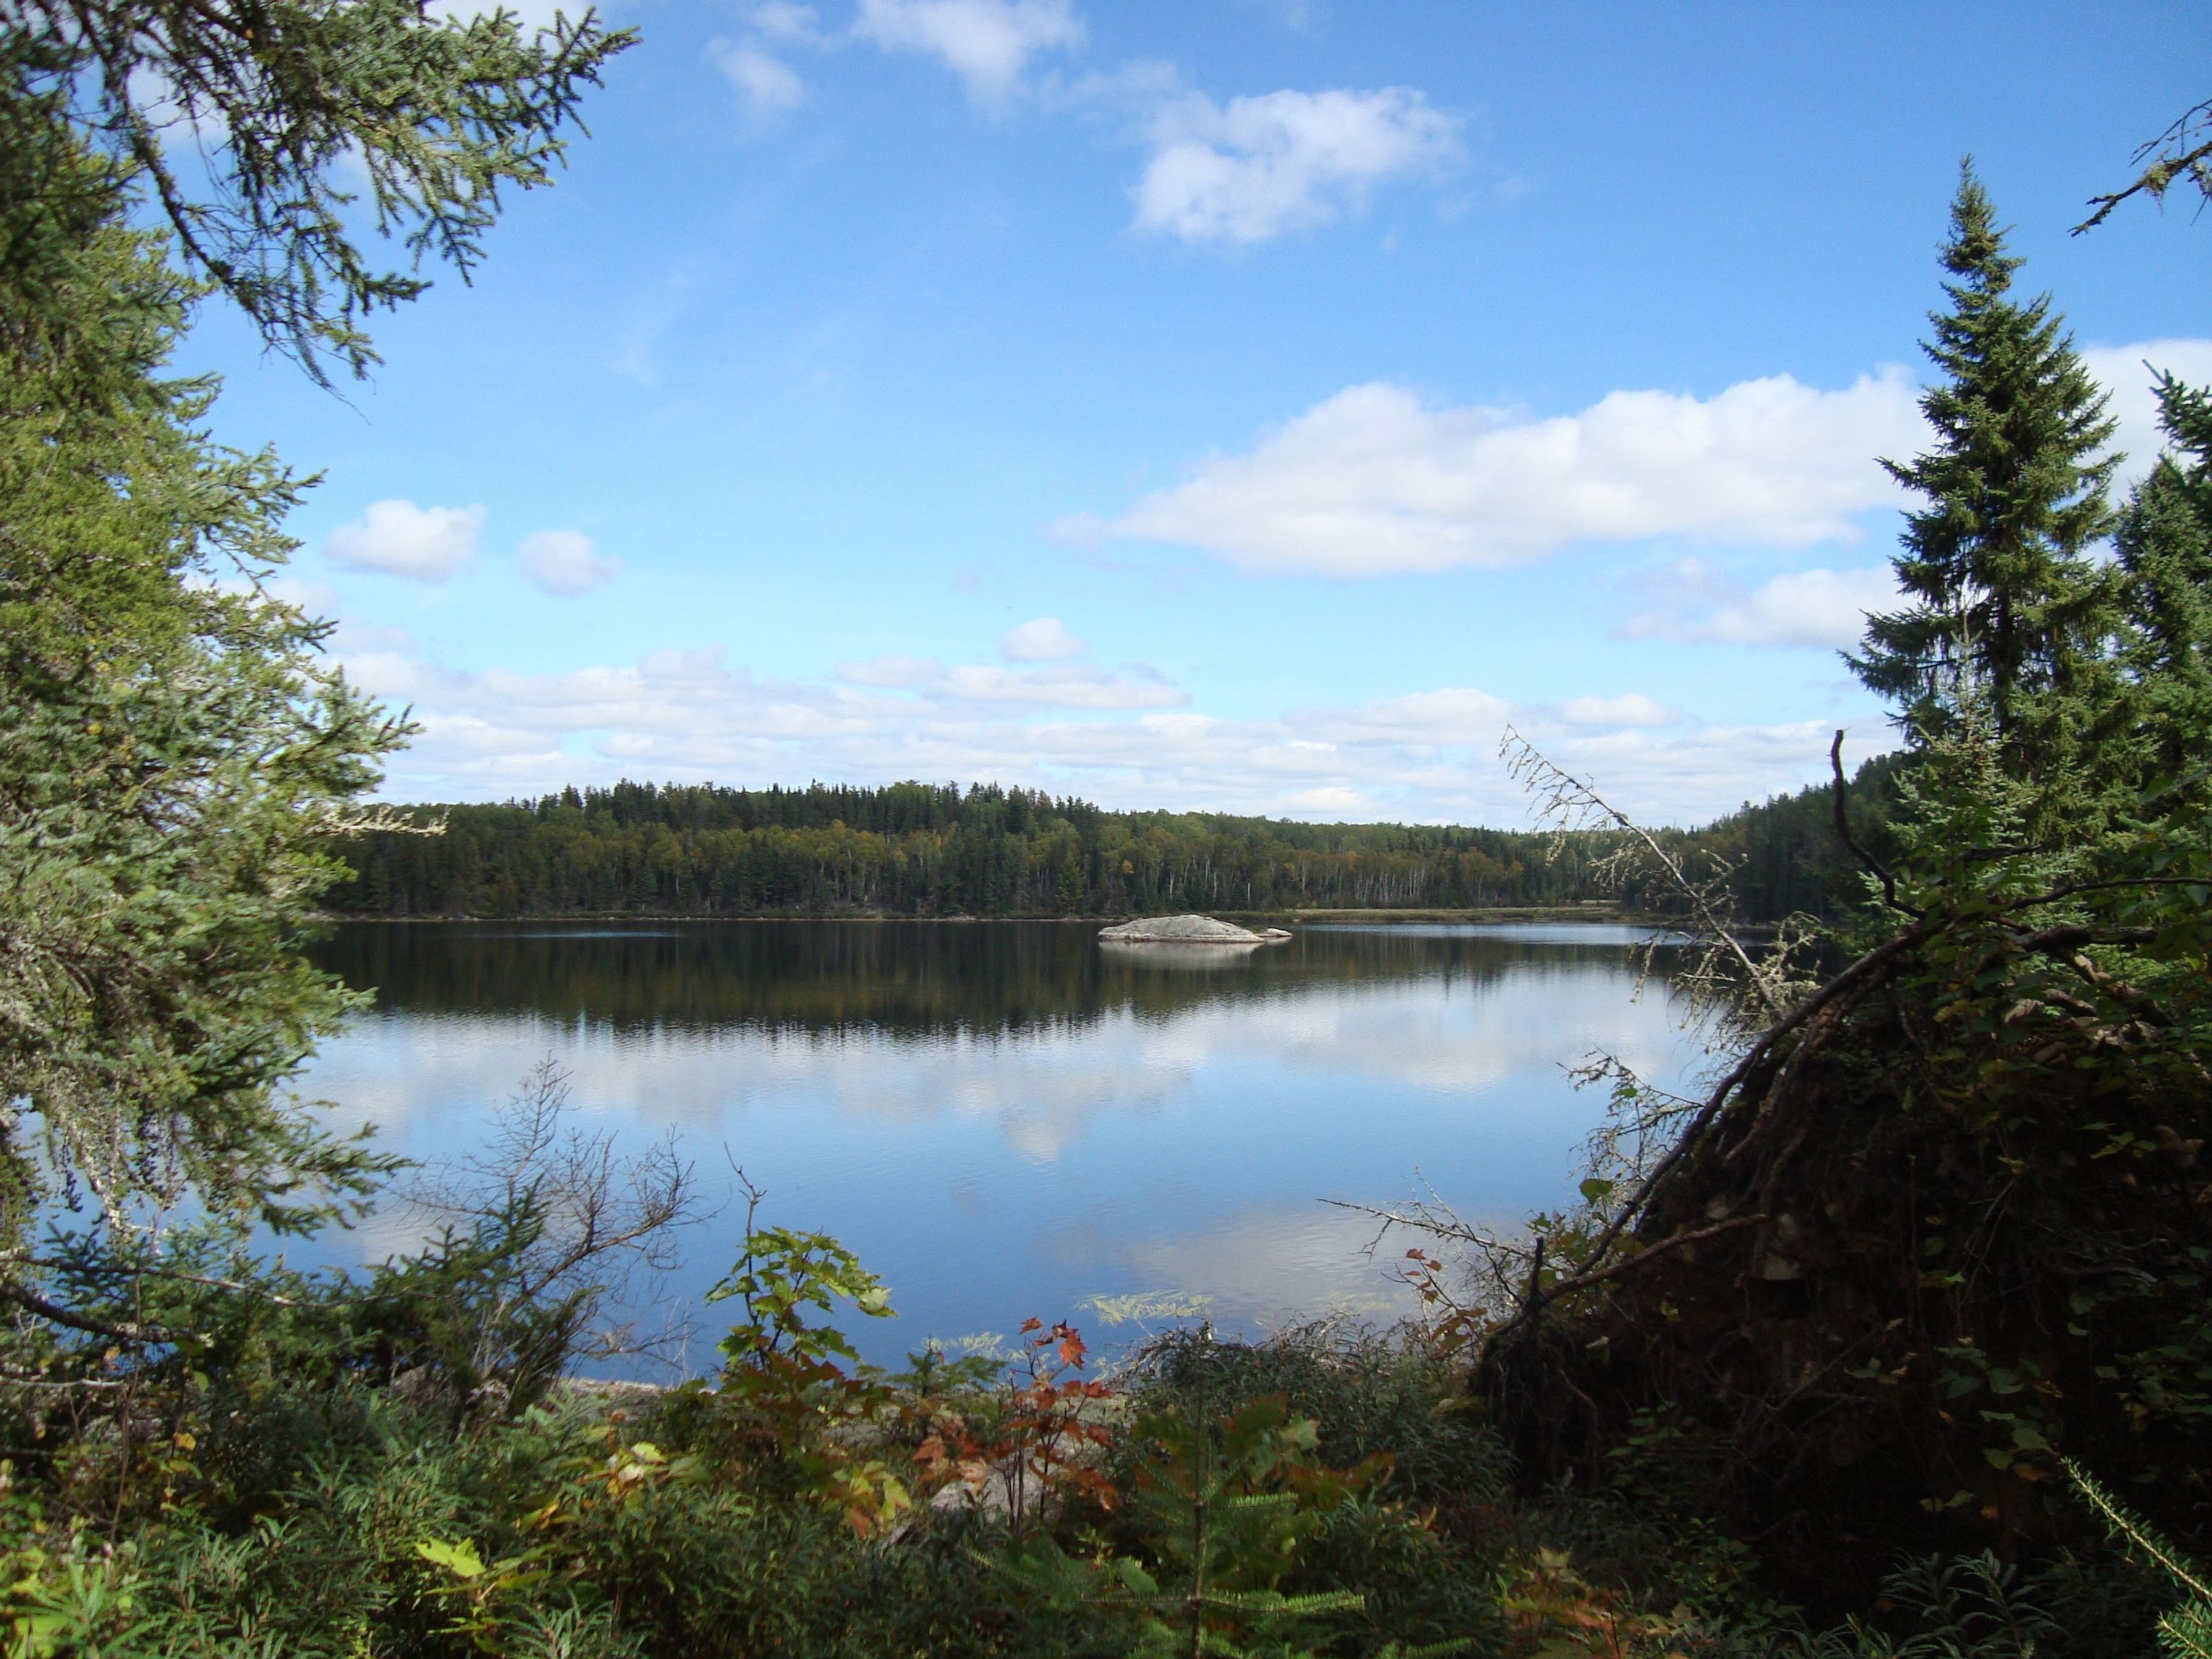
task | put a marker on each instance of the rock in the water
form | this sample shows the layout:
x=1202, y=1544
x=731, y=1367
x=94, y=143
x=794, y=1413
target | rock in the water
x=1188, y=930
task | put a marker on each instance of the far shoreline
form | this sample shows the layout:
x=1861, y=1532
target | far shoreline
x=1592, y=911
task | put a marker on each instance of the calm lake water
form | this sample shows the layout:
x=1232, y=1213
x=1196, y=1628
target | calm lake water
x=1008, y=1119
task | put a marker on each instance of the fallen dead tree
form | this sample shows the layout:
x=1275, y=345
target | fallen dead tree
x=1943, y=1221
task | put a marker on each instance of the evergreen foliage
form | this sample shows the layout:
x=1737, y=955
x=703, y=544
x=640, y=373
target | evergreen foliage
x=171, y=747
x=1940, y=1221
x=2186, y=1631
x=232, y=120
x=2151, y=736
x=175, y=753
x=923, y=850
x=2005, y=599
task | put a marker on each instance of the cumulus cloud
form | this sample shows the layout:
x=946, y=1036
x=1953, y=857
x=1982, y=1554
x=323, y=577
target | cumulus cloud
x=316, y=599
x=786, y=20
x=1634, y=709
x=352, y=638
x=1374, y=480
x=2126, y=371
x=1330, y=800
x=565, y=561
x=1043, y=640
x=1258, y=167
x=767, y=86
x=398, y=538
x=1061, y=685
x=1819, y=608
x=176, y=126
x=1125, y=739
x=1234, y=173
x=987, y=43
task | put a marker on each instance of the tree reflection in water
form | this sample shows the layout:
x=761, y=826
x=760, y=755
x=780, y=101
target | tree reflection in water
x=1006, y=1118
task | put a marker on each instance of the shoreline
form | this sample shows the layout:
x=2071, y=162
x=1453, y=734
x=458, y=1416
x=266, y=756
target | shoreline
x=1594, y=911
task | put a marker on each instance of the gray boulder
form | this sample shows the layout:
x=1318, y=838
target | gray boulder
x=1187, y=930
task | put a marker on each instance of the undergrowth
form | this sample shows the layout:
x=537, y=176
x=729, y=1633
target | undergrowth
x=1327, y=1492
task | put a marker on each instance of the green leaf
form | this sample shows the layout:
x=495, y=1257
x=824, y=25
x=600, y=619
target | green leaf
x=460, y=1560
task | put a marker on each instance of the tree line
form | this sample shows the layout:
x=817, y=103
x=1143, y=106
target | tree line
x=922, y=850
x=919, y=849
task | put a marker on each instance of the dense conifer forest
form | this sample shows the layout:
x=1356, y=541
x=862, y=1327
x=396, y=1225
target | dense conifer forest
x=915, y=849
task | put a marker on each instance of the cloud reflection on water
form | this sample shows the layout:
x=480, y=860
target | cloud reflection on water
x=999, y=1169
x=1042, y=1086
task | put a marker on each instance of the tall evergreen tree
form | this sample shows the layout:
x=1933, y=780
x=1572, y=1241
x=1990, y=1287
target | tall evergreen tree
x=176, y=754
x=2163, y=722
x=2007, y=608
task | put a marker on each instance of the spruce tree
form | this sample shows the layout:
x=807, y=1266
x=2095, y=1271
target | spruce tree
x=2006, y=610
x=2163, y=719
x=177, y=755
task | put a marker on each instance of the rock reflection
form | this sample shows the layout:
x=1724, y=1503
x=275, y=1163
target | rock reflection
x=1179, y=959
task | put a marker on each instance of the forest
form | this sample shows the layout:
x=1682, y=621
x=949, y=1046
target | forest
x=917, y=849
x=1890, y=1341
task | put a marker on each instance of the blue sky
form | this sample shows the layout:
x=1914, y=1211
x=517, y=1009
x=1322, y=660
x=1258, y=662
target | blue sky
x=1252, y=405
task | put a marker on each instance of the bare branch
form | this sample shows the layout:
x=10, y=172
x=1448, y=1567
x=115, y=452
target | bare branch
x=120, y=1330
x=372, y=820
x=1570, y=803
x=1850, y=842
x=2194, y=163
x=598, y=1217
x=1541, y=1296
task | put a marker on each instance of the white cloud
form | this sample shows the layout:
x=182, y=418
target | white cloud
x=987, y=43
x=1065, y=687
x=1043, y=640
x=782, y=20
x=1374, y=481
x=176, y=127
x=1330, y=799
x=767, y=86
x=1124, y=738
x=1694, y=601
x=1827, y=608
x=316, y=599
x=1261, y=166
x=893, y=673
x=2126, y=370
x=565, y=561
x=357, y=639
x=423, y=544
x=1234, y=173
x=1634, y=709
x=1061, y=686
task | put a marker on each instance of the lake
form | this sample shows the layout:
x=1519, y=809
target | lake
x=1009, y=1119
